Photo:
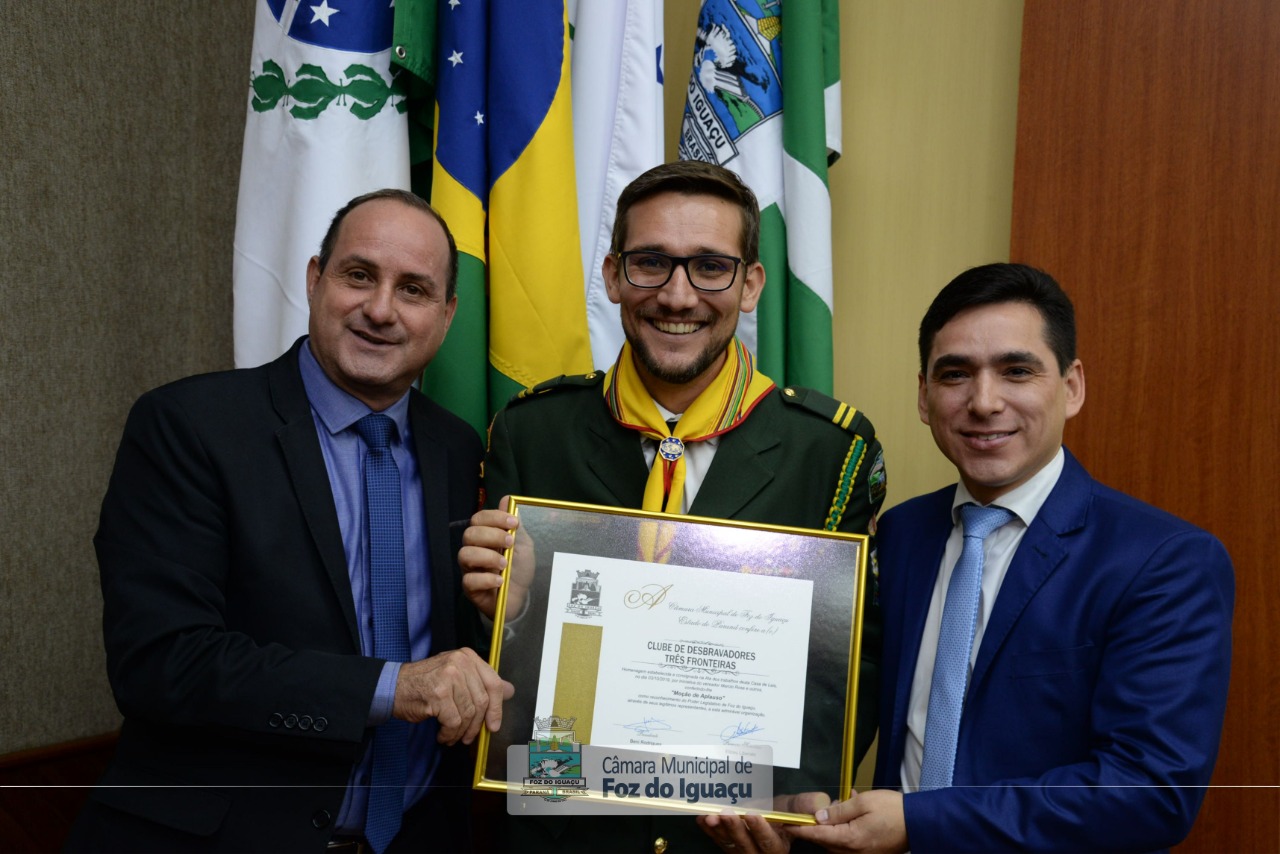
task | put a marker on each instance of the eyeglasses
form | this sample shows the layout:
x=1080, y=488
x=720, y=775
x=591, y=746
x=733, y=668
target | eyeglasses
x=645, y=268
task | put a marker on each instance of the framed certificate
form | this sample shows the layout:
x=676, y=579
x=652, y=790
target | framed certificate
x=642, y=642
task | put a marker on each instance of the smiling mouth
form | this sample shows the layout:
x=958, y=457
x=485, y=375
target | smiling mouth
x=987, y=437
x=372, y=339
x=672, y=327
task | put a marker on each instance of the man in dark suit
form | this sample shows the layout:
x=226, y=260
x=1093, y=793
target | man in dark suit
x=254, y=594
x=683, y=423
x=1094, y=652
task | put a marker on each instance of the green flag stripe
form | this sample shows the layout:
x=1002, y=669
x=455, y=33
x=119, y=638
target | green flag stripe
x=413, y=40
x=809, y=354
x=501, y=389
x=793, y=325
x=803, y=104
x=771, y=311
x=830, y=43
x=457, y=376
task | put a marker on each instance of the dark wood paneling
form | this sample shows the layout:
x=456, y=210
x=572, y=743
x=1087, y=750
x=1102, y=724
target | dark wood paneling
x=42, y=791
x=1146, y=181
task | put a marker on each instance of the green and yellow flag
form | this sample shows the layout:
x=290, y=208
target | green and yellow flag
x=503, y=180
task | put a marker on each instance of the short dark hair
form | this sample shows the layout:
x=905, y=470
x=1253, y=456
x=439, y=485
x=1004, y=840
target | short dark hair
x=692, y=178
x=998, y=283
x=406, y=198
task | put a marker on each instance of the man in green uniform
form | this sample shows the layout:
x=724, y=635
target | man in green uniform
x=681, y=423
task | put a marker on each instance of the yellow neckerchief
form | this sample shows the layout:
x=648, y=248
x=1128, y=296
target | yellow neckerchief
x=722, y=406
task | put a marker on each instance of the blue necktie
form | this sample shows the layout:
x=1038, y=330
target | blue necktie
x=955, y=644
x=390, y=622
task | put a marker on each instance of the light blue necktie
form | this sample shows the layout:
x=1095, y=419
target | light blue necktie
x=390, y=622
x=955, y=644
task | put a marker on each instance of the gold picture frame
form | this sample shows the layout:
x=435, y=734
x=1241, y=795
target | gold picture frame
x=834, y=563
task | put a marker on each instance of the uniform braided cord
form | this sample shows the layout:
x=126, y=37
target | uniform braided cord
x=848, y=474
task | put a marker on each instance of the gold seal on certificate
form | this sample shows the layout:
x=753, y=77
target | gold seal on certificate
x=722, y=654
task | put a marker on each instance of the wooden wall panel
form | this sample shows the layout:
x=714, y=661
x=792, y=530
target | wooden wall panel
x=1146, y=181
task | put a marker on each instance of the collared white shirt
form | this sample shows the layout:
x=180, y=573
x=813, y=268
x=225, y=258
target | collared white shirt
x=697, y=459
x=998, y=550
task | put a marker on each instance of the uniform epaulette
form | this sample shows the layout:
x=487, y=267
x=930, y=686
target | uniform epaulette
x=837, y=412
x=561, y=382
x=851, y=420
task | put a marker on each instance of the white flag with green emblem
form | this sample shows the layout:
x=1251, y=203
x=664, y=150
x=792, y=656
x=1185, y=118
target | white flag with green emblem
x=324, y=125
x=764, y=101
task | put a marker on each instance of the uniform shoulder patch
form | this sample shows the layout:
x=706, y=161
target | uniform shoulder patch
x=564, y=381
x=843, y=415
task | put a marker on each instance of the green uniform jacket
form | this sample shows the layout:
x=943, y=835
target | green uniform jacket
x=791, y=463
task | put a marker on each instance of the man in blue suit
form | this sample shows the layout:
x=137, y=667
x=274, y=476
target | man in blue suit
x=1095, y=649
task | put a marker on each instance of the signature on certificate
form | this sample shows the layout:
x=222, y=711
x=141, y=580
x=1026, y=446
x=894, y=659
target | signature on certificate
x=732, y=732
x=648, y=726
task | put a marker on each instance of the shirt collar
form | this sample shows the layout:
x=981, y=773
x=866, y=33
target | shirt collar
x=336, y=409
x=666, y=414
x=1026, y=500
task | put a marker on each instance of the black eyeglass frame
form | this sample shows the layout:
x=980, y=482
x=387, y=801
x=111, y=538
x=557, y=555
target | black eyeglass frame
x=678, y=261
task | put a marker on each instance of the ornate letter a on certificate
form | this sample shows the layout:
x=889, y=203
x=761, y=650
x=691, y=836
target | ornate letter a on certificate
x=689, y=663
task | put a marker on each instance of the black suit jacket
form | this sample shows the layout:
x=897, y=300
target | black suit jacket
x=232, y=646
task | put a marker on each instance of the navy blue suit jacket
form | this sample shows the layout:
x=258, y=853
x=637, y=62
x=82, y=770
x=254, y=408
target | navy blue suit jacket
x=1095, y=707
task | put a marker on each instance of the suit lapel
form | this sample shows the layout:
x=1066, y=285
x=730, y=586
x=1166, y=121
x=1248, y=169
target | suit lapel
x=433, y=465
x=740, y=468
x=305, y=462
x=927, y=535
x=614, y=457
x=1041, y=551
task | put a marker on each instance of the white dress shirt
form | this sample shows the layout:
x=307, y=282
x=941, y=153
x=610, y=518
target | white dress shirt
x=998, y=550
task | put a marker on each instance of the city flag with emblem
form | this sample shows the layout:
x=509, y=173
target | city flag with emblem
x=764, y=101
x=324, y=125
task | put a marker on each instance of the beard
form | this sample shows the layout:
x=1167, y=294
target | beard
x=679, y=374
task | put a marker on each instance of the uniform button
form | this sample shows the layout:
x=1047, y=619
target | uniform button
x=276, y=719
x=320, y=724
x=321, y=818
x=304, y=722
x=291, y=722
x=789, y=392
x=659, y=845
